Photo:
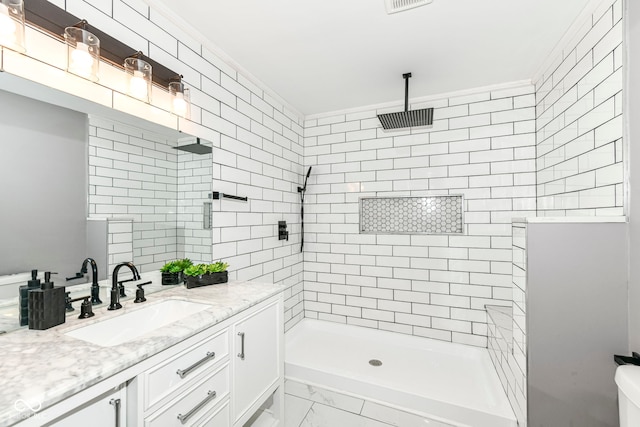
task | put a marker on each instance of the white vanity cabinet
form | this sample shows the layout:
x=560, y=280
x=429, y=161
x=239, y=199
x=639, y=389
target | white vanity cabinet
x=257, y=360
x=106, y=410
x=205, y=380
x=211, y=382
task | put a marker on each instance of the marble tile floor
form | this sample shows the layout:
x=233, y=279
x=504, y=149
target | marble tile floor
x=313, y=406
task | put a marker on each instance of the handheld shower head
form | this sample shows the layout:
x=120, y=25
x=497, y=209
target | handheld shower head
x=305, y=180
x=304, y=187
x=302, y=191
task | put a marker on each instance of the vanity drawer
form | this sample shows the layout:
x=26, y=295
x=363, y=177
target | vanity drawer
x=190, y=406
x=220, y=418
x=165, y=379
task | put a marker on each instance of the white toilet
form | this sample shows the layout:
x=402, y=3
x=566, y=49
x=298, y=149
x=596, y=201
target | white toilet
x=628, y=381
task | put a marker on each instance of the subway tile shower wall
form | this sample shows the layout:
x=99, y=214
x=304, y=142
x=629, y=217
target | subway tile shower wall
x=194, y=188
x=257, y=145
x=481, y=146
x=132, y=174
x=579, y=121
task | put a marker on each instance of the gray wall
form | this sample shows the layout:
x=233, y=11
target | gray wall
x=43, y=197
x=633, y=128
x=576, y=322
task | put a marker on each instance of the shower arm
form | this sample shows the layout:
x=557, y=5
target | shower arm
x=406, y=78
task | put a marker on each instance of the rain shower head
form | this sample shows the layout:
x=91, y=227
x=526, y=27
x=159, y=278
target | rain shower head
x=406, y=118
x=195, y=148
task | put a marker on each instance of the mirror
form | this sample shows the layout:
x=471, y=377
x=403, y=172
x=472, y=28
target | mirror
x=146, y=201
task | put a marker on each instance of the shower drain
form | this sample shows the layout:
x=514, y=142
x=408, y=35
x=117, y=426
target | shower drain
x=375, y=362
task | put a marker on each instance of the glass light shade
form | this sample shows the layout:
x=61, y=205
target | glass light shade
x=139, y=76
x=180, y=99
x=83, y=53
x=12, y=25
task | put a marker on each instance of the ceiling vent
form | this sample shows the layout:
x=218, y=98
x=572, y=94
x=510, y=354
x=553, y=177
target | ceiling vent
x=394, y=6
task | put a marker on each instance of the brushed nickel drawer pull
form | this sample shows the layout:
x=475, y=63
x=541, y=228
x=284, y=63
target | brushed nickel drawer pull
x=241, y=354
x=184, y=373
x=184, y=418
x=116, y=404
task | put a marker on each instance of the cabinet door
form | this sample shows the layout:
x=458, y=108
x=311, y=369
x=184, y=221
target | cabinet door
x=256, y=357
x=107, y=410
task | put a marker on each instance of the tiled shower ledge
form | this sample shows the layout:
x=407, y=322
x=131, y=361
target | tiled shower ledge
x=502, y=317
x=571, y=219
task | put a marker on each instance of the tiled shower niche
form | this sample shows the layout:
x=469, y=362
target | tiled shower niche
x=412, y=215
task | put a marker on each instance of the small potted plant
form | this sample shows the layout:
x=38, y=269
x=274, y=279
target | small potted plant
x=206, y=274
x=172, y=272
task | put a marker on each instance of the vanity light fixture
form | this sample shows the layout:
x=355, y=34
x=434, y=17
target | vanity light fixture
x=139, y=74
x=180, y=98
x=12, y=25
x=83, y=51
x=87, y=46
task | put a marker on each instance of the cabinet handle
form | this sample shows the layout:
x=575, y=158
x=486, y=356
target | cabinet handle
x=185, y=372
x=241, y=354
x=184, y=418
x=116, y=404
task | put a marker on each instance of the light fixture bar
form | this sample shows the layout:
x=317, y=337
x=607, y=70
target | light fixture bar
x=54, y=20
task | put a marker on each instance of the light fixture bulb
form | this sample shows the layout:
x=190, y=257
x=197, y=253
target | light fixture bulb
x=180, y=98
x=179, y=105
x=7, y=26
x=83, y=53
x=138, y=85
x=81, y=60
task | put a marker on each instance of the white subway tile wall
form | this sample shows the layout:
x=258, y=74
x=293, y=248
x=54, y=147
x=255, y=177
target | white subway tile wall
x=579, y=122
x=579, y=167
x=482, y=147
x=257, y=144
x=119, y=243
x=555, y=147
x=517, y=359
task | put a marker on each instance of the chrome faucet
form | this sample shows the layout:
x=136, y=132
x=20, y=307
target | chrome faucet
x=115, y=292
x=95, y=289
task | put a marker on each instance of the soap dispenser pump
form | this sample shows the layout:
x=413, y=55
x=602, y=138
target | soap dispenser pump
x=46, y=305
x=34, y=283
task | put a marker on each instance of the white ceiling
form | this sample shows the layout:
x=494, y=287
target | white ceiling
x=329, y=55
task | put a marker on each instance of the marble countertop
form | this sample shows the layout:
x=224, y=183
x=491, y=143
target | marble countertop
x=9, y=306
x=41, y=368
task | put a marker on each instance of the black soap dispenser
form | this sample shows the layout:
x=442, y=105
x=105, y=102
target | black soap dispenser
x=34, y=283
x=46, y=305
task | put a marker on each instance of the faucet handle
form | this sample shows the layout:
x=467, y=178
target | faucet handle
x=67, y=302
x=121, y=286
x=140, y=293
x=86, y=310
x=77, y=276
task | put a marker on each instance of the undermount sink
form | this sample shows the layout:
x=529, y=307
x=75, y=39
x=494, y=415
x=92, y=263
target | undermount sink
x=129, y=326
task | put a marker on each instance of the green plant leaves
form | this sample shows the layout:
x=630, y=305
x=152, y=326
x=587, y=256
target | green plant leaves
x=176, y=266
x=200, y=269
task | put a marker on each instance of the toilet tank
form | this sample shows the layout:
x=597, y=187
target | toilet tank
x=628, y=381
